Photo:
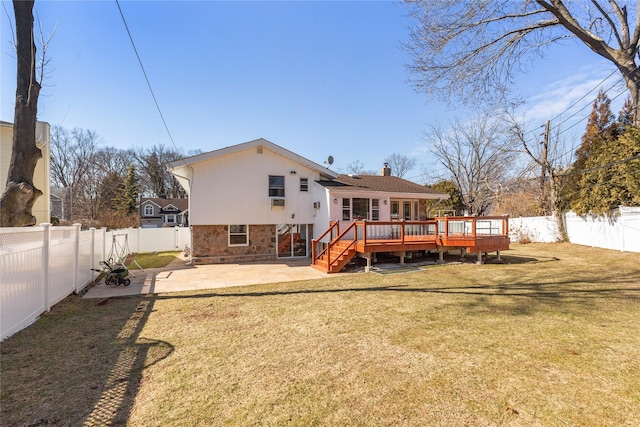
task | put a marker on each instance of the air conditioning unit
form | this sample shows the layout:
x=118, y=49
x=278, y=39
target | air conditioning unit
x=316, y=205
x=277, y=201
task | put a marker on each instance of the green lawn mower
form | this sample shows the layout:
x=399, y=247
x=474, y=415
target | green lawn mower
x=115, y=275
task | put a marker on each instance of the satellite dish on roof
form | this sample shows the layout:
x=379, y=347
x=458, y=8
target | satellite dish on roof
x=329, y=160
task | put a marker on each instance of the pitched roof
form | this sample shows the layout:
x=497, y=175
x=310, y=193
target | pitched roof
x=378, y=183
x=180, y=204
x=260, y=142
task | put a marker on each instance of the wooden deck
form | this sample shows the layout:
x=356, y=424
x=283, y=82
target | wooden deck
x=334, y=249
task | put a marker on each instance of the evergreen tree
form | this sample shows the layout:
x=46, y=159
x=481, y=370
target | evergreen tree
x=454, y=203
x=131, y=191
x=605, y=175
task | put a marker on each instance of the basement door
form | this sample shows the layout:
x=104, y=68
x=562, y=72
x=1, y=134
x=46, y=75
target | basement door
x=291, y=240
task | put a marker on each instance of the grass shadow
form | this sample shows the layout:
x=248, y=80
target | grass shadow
x=81, y=363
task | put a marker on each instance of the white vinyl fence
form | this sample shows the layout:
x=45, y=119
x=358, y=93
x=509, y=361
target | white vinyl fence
x=620, y=232
x=40, y=266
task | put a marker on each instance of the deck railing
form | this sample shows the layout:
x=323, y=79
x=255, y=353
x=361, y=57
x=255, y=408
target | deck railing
x=473, y=226
x=441, y=231
x=334, y=237
x=396, y=231
x=319, y=246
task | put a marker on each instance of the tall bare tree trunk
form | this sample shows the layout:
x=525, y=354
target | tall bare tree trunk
x=20, y=193
x=557, y=211
x=632, y=80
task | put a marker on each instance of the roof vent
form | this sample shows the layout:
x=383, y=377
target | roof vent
x=259, y=150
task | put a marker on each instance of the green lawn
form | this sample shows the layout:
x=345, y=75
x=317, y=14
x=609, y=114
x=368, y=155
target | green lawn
x=153, y=259
x=552, y=337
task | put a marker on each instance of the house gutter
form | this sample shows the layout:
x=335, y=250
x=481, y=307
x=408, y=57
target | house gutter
x=189, y=181
x=186, y=178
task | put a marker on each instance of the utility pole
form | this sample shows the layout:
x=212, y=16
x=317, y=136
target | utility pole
x=545, y=167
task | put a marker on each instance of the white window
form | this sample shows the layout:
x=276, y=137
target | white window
x=395, y=209
x=238, y=235
x=409, y=210
x=406, y=210
x=276, y=186
x=375, y=209
x=148, y=210
x=304, y=184
x=360, y=208
x=170, y=219
x=346, y=209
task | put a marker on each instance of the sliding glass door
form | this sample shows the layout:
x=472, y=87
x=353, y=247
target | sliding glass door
x=292, y=240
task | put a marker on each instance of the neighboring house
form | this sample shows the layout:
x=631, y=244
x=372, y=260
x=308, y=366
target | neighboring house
x=259, y=201
x=41, y=208
x=160, y=212
x=61, y=203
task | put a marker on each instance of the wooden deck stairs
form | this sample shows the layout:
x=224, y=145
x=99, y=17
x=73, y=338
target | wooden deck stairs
x=340, y=255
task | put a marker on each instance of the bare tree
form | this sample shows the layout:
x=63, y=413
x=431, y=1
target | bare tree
x=356, y=167
x=476, y=156
x=544, y=153
x=71, y=155
x=400, y=164
x=155, y=179
x=473, y=50
x=72, y=166
x=20, y=194
x=94, y=175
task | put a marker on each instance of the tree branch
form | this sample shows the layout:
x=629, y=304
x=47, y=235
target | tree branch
x=596, y=43
x=612, y=24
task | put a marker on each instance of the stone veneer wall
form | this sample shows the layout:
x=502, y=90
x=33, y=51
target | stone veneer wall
x=210, y=244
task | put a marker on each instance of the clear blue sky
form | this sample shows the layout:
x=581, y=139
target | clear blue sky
x=318, y=78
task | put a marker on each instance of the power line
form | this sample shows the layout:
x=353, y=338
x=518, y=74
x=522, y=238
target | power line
x=606, y=165
x=146, y=77
x=557, y=116
x=587, y=105
x=584, y=96
x=569, y=195
x=575, y=146
x=576, y=103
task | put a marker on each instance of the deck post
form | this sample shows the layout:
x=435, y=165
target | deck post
x=498, y=253
x=479, y=261
x=402, y=255
x=367, y=256
x=440, y=255
x=364, y=232
x=462, y=253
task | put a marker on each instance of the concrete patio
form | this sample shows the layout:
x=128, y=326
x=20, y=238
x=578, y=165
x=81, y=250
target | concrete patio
x=179, y=277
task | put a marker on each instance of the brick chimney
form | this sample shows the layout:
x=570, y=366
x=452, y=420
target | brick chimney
x=386, y=170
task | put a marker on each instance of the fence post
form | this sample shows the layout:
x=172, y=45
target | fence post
x=45, y=264
x=92, y=254
x=104, y=243
x=76, y=258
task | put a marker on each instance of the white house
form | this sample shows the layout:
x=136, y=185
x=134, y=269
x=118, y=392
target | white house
x=258, y=201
